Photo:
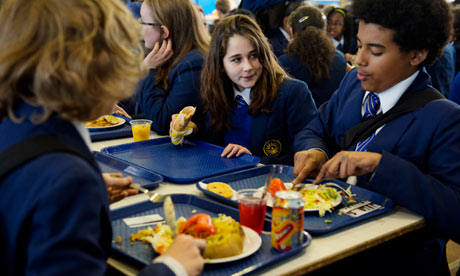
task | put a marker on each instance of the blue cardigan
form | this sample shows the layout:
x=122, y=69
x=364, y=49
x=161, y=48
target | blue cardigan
x=420, y=165
x=321, y=89
x=54, y=212
x=272, y=134
x=159, y=105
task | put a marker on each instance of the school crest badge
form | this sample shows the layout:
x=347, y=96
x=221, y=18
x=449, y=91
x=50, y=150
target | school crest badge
x=272, y=147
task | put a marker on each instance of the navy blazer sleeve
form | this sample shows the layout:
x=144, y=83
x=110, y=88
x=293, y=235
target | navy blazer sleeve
x=156, y=269
x=158, y=104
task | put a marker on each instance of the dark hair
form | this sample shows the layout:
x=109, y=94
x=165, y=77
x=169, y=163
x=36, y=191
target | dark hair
x=347, y=26
x=418, y=24
x=310, y=42
x=243, y=12
x=456, y=12
x=217, y=92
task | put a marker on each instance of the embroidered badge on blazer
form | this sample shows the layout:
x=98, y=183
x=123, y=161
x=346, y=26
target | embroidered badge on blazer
x=272, y=147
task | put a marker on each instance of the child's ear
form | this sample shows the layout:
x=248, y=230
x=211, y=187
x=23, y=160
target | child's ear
x=164, y=32
x=418, y=56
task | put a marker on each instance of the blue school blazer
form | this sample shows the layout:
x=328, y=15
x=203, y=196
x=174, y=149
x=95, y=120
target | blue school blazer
x=272, y=134
x=321, y=89
x=420, y=165
x=54, y=209
x=159, y=105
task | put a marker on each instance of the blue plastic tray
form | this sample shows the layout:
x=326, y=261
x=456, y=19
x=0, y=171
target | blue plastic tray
x=142, y=254
x=315, y=225
x=180, y=164
x=112, y=133
x=146, y=179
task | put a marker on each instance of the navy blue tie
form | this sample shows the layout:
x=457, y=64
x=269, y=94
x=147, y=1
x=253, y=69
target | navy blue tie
x=240, y=101
x=371, y=107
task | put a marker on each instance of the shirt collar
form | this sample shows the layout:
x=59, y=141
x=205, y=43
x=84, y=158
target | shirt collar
x=336, y=42
x=245, y=94
x=390, y=97
x=83, y=131
x=286, y=34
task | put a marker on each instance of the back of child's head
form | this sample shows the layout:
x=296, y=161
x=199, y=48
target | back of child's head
x=418, y=24
x=72, y=57
x=305, y=17
x=310, y=42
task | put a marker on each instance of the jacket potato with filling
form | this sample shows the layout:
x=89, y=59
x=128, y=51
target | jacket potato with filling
x=224, y=236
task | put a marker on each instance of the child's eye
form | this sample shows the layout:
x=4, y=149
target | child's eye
x=253, y=56
x=236, y=60
x=376, y=54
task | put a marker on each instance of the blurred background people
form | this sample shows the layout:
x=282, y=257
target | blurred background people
x=340, y=29
x=311, y=56
x=280, y=37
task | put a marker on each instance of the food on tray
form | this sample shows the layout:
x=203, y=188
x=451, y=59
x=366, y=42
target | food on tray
x=183, y=118
x=224, y=236
x=276, y=185
x=220, y=188
x=103, y=121
x=321, y=197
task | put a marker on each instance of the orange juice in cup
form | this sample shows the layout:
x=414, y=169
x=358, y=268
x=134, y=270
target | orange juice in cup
x=140, y=129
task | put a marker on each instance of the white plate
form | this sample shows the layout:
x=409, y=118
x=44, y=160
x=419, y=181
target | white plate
x=121, y=121
x=289, y=185
x=252, y=242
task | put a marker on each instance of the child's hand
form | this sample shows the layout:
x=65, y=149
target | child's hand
x=234, y=149
x=120, y=111
x=118, y=187
x=159, y=55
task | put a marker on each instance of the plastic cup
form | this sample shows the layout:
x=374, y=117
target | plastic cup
x=140, y=129
x=252, y=209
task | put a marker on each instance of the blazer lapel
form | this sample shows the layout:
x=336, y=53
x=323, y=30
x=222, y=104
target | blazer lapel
x=390, y=134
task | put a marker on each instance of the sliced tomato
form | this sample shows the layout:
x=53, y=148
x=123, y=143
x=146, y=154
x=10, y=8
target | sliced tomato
x=276, y=185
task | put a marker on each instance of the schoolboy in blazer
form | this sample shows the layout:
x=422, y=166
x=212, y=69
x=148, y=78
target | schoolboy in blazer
x=414, y=159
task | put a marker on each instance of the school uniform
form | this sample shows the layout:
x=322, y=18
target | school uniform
x=420, y=164
x=442, y=72
x=158, y=104
x=454, y=94
x=278, y=41
x=271, y=135
x=54, y=209
x=321, y=89
x=345, y=45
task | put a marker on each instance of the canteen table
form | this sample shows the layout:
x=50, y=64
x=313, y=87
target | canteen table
x=323, y=250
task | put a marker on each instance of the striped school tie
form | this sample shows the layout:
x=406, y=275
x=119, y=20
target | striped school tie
x=371, y=106
x=240, y=102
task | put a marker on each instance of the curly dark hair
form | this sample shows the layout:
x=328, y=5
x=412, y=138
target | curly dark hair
x=310, y=42
x=418, y=24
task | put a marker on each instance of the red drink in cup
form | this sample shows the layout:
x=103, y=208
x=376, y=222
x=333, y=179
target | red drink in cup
x=252, y=209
